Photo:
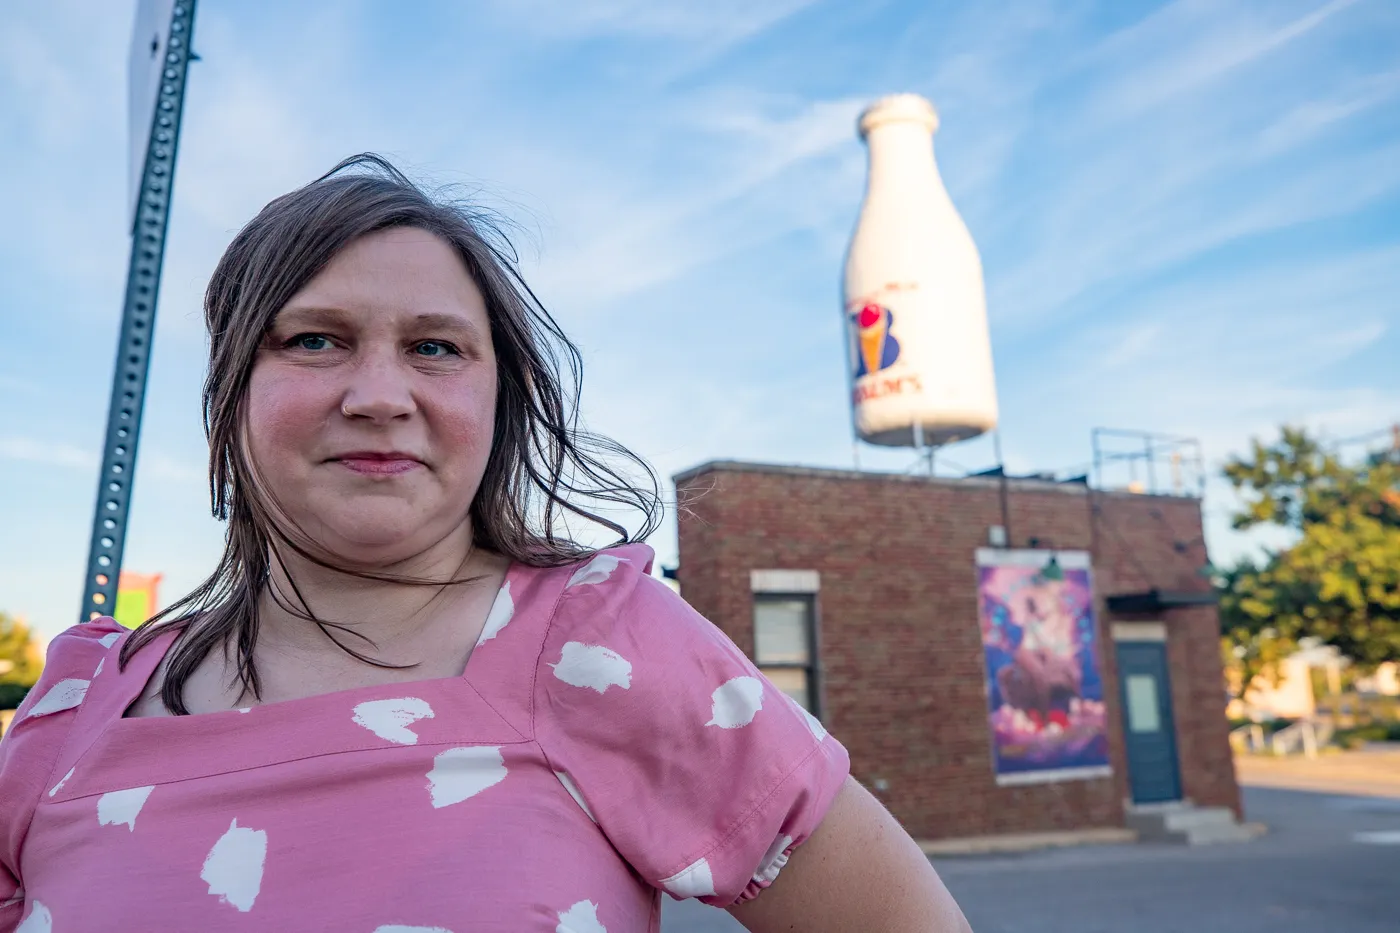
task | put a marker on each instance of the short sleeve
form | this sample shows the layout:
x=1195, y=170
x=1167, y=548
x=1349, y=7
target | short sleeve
x=31, y=745
x=702, y=774
x=11, y=900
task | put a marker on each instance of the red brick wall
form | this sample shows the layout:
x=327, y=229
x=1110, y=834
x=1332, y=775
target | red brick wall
x=900, y=645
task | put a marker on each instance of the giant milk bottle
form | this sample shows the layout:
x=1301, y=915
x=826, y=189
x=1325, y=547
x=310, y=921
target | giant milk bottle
x=915, y=308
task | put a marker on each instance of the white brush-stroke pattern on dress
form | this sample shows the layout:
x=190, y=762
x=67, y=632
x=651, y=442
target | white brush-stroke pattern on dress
x=596, y=570
x=234, y=868
x=580, y=918
x=122, y=806
x=459, y=773
x=390, y=719
x=109, y=639
x=38, y=921
x=502, y=610
x=693, y=881
x=813, y=723
x=12, y=901
x=61, y=781
x=773, y=860
x=63, y=695
x=736, y=702
x=573, y=792
x=593, y=666
x=99, y=668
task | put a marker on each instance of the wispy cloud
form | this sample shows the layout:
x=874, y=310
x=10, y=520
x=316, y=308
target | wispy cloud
x=17, y=386
x=152, y=464
x=1310, y=118
x=723, y=21
x=1235, y=347
x=1188, y=45
x=54, y=102
x=645, y=240
x=1165, y=158
x=165, y=468
x=46, y=453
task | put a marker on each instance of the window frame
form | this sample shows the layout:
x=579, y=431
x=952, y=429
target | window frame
x=813, y=667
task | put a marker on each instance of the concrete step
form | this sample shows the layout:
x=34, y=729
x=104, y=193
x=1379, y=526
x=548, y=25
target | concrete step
x=1193, y=819
x=1219, y=833
x=1186, y=824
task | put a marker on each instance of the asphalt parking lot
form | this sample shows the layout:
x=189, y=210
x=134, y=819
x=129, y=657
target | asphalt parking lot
x=1329, y=864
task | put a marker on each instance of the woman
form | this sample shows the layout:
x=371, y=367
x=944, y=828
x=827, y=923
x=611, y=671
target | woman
x=405, y=701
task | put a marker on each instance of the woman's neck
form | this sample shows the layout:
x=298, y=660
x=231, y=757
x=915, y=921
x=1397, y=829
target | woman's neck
x=395, y=617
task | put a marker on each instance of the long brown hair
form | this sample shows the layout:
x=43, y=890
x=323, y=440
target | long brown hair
x=541, y=469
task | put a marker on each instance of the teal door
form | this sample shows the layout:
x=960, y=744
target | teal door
x=1150, y=736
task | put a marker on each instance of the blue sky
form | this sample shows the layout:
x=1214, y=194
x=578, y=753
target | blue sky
x=1188, y=213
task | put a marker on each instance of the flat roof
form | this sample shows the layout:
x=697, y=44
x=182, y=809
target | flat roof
x=1029, y=484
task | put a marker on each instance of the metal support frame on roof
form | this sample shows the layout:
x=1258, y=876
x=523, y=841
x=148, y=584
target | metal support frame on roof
x=148, y=235
x=1180, y=457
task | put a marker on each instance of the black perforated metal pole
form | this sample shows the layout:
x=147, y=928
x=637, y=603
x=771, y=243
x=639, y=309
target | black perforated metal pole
x=138, y=324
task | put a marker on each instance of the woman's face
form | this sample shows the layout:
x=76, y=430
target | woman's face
x=373, y=397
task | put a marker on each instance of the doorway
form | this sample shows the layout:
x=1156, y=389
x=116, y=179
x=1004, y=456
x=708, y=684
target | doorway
x=1154, y=774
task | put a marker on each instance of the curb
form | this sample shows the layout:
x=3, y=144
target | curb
x=1026, y=842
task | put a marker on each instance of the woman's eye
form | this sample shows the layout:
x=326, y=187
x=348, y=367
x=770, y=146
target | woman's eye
x=310, y=342
x=435, y=349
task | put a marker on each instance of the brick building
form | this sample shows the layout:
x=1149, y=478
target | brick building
x=879, y=575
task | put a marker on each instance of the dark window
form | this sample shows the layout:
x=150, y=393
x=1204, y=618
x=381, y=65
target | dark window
x=784, y=639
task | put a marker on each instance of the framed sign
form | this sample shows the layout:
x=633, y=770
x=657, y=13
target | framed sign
x=1045, y=692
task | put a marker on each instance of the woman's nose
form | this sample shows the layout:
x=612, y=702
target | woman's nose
x=379, y=391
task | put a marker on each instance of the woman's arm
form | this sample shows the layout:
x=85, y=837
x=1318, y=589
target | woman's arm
x=858, y=871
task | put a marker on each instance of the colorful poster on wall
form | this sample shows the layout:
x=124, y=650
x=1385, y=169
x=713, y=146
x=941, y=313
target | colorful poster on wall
x=1045, y=692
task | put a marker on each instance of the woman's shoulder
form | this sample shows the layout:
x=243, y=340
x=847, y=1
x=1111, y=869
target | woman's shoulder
x=87, y=639
x=598, y=567
x=614, y=570
x=74, y=658
x=31, y=746
x=613, y=614
x=565, y=594
x=613, y=590
x=537, y=608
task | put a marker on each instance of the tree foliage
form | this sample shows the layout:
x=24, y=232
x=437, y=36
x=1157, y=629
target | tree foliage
x=20, y=658
x=1252, y=641
x=1339, y=582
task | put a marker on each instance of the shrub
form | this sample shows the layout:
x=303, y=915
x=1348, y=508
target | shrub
x=11, y=695
x=1373, y=732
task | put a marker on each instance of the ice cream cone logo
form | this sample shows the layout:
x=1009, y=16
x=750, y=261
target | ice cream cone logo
x=876, y=348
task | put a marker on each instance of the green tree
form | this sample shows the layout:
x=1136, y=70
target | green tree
x=1250, y=638
x=1339, y=582
x=20, y=658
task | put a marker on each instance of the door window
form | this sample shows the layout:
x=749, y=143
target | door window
x=1144, y=708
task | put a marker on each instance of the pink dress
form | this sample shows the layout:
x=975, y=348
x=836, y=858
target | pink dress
x=605, y=743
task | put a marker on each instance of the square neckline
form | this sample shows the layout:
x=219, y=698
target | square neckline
x=139, y=674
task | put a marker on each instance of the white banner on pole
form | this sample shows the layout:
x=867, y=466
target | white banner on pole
x=148, y=38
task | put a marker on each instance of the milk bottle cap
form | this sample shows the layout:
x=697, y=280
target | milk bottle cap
x=898, y=108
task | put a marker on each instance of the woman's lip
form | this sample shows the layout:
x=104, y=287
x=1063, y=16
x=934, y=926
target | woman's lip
x=378, y=466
